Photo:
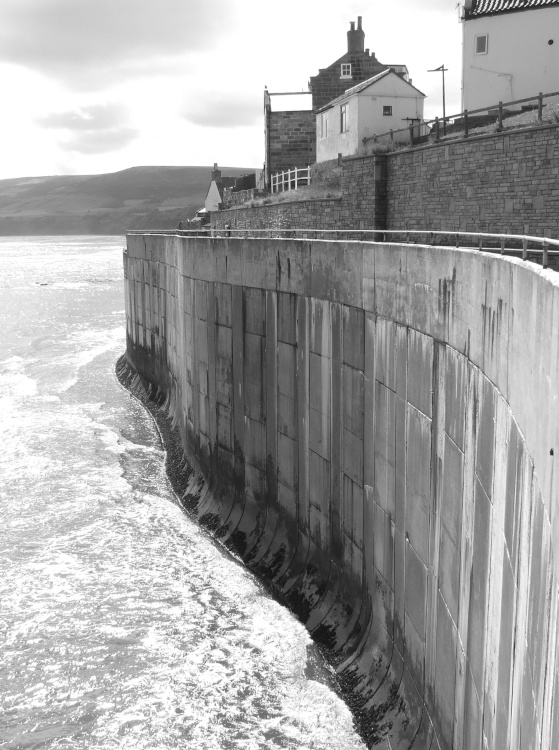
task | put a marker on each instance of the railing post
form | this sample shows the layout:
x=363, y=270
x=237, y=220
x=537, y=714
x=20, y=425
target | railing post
x=296, y=178
x=437, y=130
x=524, y=248
x=502, y=245
x=500, y=120
x=411, y=135
x=540, y=107
x=391, y=136
x=465, y=123
x=544, y=257
x=480, y=245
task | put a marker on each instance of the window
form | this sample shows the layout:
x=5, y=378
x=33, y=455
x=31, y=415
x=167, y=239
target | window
x=481, y=44
x=324, y=125
x=343, y=118
x=346, y=70
x=387, y=110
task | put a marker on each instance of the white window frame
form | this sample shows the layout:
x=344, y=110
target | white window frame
x=343, y=118
x=485, y=37
x=323, y=125
x=345, y=70
x=387, y=107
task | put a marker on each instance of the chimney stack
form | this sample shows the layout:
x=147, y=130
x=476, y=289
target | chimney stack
x=356, y=37
x=216, y=173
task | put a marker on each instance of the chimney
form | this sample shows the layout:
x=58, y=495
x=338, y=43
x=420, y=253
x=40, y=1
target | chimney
x=216, y=173
x=356, y=37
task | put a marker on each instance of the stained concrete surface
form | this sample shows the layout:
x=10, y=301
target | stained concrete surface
x=373, y=429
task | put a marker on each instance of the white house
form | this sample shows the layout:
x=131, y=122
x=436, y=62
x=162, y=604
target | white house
x=214, y=198
x=510, y=50
x=382, y=103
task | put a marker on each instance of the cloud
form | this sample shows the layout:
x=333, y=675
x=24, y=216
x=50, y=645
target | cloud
x=223, y=110
x=85, y=43
x=96, y=129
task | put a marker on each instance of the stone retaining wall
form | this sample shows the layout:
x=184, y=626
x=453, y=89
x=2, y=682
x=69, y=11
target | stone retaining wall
x=500, y=182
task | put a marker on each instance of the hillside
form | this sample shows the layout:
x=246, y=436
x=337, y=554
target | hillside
x=136, y=198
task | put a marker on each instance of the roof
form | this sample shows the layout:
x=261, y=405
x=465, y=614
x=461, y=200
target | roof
x=491, y=7
x=364, y=85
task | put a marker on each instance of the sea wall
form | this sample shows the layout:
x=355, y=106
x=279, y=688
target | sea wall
x=374, y=429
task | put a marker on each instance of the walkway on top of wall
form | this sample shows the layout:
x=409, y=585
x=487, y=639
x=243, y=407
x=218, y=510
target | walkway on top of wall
x=528, y=247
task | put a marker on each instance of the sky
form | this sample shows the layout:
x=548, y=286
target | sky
x=94, y=86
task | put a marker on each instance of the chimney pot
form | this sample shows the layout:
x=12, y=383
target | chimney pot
x=356, y=38
x=358, y=22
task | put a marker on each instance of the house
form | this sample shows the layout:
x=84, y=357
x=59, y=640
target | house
x=219, y=185
x=290, y=134
x=382, y=103
x=510, y=50
x=214, y=198
x=356, y=65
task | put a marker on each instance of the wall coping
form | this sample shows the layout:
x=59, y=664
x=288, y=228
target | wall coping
x=469, y=139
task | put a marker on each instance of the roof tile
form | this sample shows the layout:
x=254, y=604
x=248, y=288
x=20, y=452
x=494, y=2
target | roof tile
x=489, y=7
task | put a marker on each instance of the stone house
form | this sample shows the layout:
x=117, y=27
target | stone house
x=290, y=136
x=510, y=50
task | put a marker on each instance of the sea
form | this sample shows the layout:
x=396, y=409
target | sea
x=123, y=625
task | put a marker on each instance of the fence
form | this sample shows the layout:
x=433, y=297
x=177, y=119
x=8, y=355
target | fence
x=291, y=179
x=525, y=246
x=497, y=117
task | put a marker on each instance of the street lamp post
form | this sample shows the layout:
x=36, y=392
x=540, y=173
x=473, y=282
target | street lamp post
x=442, y=70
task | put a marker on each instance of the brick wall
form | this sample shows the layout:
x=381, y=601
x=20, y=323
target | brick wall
x=310, y=214
x=501, y=182
x=292, y=140
x=364, y=181
x=329, y=84
x=492, y=183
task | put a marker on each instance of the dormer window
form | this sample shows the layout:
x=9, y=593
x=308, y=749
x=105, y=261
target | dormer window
x=346, y=70
x=481, y=44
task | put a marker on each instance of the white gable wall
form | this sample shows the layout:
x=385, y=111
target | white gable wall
x=519, y=61
x=213, y=198
x=365, y=117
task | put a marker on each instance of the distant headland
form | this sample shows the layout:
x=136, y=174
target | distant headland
x=135, y=198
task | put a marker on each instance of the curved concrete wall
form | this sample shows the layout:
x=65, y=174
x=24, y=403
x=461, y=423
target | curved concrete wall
x=375, y=431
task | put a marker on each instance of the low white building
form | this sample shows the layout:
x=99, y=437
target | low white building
x=510, y=50
x=380, y=104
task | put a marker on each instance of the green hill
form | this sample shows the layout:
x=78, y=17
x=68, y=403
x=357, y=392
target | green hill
x=136, y=198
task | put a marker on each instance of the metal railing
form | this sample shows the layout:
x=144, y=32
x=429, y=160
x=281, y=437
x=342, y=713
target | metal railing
x=290, y=179
x=527, y=247
x=463, y=122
